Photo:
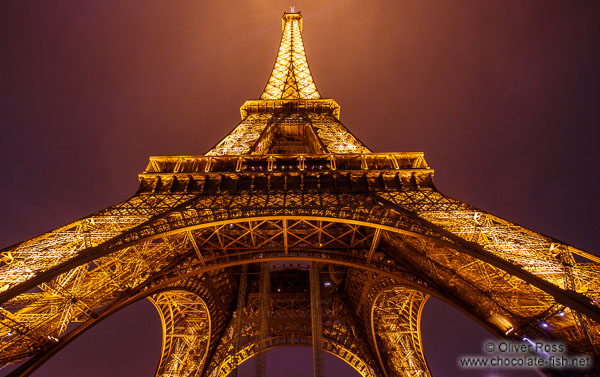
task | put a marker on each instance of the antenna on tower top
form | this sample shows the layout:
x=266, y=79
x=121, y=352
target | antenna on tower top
x=292, y=9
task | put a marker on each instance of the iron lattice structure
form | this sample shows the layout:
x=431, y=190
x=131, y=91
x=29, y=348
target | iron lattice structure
x=291, y=232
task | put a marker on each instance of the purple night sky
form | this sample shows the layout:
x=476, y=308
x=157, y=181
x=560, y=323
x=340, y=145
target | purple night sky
x=503, y=98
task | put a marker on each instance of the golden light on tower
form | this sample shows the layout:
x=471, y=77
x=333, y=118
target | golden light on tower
x=291, y=183
x=291, y=78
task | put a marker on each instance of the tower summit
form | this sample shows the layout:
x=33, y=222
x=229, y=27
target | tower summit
x=291, y=232
x=291, y=78
x=290, y=117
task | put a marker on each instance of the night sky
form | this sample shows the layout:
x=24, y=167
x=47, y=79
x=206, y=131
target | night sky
x=503, y=98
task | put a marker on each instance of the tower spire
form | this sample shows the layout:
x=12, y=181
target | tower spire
x=291, y=78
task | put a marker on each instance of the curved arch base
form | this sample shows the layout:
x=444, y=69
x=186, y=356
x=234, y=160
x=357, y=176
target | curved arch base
x=186, y=333
x=395, y=323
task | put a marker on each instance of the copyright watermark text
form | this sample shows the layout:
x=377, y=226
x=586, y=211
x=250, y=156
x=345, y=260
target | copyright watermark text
x=526, y=354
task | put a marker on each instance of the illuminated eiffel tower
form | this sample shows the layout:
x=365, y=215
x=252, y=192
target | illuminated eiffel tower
x=291, y=232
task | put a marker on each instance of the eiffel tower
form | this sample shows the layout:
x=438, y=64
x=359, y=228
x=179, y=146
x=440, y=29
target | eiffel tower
x=291, y=232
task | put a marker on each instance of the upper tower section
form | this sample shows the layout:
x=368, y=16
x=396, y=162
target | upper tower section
x=289, y=132
x=290, y=118
x=291, y=78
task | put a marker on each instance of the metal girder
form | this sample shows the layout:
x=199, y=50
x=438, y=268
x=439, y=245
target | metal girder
x=291, y=321
x=389, y=312
x=186, y=333
x=264, y=310
x=364, y=212
x=316, y=319
x=395, y=326
x=238, y=315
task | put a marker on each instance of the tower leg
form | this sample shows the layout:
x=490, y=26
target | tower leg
x=391, y=314
x=186, y=333
x=239, y=313
x=396, y=316
x=316, y=319
x=264, y=308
